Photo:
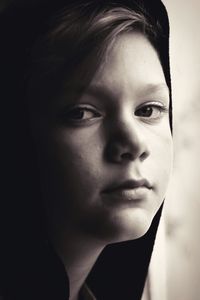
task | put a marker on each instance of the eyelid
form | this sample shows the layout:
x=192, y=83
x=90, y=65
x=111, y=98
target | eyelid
x=161, y=108
x=87, y=107
x=161, y=105
x=80, y=106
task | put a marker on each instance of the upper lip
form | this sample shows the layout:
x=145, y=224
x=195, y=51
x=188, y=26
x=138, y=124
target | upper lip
x=128, y=184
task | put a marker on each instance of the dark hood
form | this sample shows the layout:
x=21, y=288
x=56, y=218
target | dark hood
x=121, y=269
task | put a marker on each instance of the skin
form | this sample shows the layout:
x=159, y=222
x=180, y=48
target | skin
x=116, y=131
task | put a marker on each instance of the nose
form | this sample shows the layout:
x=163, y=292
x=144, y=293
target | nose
x=127, y=141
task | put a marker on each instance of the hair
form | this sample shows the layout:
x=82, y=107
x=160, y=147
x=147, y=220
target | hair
x=45, y=48
x=73, y=35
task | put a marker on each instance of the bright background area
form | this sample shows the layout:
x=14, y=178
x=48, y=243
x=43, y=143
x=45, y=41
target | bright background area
x=182, y=207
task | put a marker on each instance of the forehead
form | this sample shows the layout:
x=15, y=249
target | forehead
x=130, y=67
x=133, y=64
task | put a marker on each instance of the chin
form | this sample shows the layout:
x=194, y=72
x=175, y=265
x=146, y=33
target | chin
x=133, y=228
x=124, y=226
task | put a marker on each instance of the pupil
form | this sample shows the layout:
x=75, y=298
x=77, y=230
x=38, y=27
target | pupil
x=146, y=111
x=76, y=114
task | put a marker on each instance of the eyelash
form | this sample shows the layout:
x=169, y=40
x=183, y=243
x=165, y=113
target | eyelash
x=161, y=109
x=71, y=117
x=70, y=114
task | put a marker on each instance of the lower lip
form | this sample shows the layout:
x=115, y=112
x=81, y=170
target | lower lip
x=128, y=195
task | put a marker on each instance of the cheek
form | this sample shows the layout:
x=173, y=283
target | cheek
x=76, y=160
x=73, y=174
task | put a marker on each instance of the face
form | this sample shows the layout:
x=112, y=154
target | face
x=106, y=155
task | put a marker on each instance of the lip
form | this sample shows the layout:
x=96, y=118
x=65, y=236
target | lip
x=130, y=184
x=128, y=191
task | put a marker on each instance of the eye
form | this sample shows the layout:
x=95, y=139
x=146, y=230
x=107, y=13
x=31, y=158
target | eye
x=80, y=114
x=151, y=111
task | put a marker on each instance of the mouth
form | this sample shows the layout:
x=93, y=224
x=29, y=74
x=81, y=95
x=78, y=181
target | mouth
x=130, y=190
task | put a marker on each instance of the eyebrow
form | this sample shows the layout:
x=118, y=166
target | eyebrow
x=99, y=90
x=96, y=90
x=152, y=88
x=102, y=91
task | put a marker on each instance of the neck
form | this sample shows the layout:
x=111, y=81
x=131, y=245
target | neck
x=78, y=254
x=79, y=266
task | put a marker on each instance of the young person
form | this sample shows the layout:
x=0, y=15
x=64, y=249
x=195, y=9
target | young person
x=91, y=112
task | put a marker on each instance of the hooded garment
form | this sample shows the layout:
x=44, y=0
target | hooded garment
x=34, y=271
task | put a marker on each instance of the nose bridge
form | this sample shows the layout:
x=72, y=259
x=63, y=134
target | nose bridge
x=127, y=140
x=128, y=129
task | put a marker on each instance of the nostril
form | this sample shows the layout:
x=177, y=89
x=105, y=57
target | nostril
x=127, y=156
x=126, y=148
x=117, y=152
x=144, y=155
